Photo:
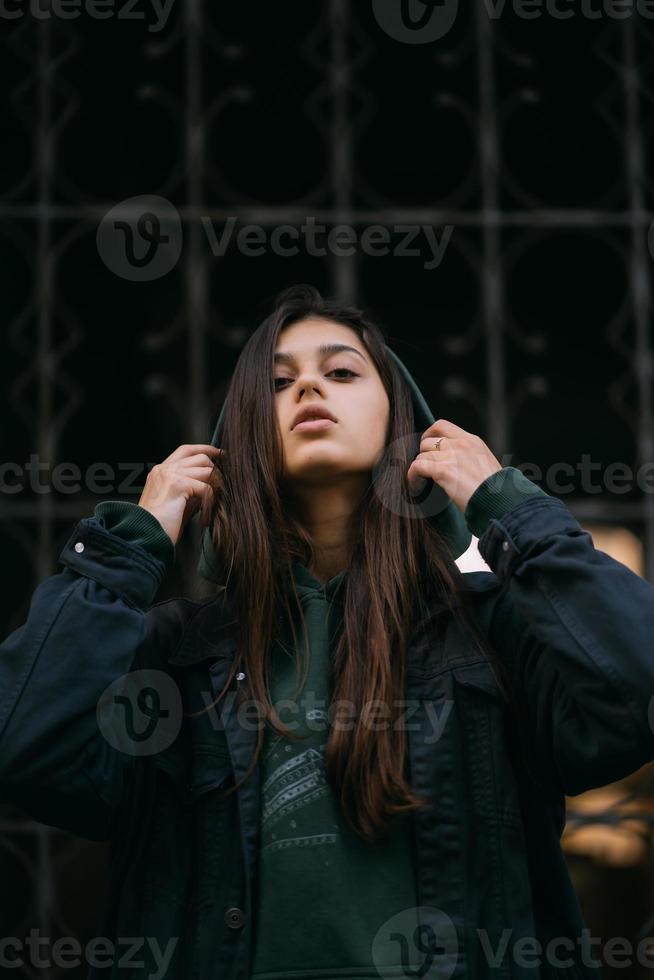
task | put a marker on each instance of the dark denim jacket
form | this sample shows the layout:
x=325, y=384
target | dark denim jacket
x=575, y=630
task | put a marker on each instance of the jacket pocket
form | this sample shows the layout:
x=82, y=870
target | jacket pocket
x=481, y=704
x=479, y=676
x=212, y=769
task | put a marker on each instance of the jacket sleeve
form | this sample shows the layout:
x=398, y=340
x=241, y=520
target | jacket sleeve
x=86, y=626
x=576, y=628
x=139, y=526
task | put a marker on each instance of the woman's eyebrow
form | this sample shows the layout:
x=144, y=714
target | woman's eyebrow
x=287, y=358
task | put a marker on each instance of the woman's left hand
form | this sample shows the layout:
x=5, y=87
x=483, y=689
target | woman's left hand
x=460, y=465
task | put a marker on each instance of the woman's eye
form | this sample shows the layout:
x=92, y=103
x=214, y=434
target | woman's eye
x=347, y=371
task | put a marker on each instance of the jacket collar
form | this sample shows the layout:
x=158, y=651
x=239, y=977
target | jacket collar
x=209, y=635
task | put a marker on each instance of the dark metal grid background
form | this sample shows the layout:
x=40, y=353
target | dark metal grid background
x=535, y=332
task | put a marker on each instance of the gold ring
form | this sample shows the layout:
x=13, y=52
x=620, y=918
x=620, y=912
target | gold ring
x=438, y=442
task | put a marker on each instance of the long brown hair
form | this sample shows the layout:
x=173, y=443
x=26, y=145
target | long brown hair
x=256, y=538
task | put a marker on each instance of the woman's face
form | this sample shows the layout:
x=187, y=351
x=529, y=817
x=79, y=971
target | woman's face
x=344, y=383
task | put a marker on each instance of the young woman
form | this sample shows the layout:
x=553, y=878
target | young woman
x=351, y=760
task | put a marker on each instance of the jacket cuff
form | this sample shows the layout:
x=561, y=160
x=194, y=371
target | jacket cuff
x=138, y=526
x=511, y=538
x=498, y=493
x=122, y=567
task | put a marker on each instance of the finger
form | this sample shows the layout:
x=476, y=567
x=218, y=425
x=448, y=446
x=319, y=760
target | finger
x=444, y=454
x=443, y=427
x=428, y=443
x=431, y=463
x=430, y=467
x=198, y=472
x=192, y=448
x=441, y=455
x=198, y=487
x=198, y=460
x=418, y=471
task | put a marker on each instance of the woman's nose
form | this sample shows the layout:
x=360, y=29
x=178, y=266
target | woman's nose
x=308, y=381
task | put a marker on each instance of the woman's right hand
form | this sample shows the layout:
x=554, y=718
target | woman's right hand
x=177, y=488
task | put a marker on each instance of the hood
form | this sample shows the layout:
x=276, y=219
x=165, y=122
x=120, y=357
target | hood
x=448, y=520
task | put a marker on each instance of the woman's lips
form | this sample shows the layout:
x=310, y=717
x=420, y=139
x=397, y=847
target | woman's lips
x=313, y=425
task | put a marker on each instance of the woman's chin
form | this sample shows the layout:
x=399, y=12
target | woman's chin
x=316, y=467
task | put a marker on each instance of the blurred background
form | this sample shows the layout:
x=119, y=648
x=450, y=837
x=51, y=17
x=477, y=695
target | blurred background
x=166, y=170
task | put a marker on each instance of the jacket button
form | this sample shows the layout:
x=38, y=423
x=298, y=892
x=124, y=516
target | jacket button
x=234, y=918
x=79, y=546
x=505, y=546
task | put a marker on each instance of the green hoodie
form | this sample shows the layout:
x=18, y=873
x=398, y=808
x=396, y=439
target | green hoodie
x=316, y=877
x=312, y=867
